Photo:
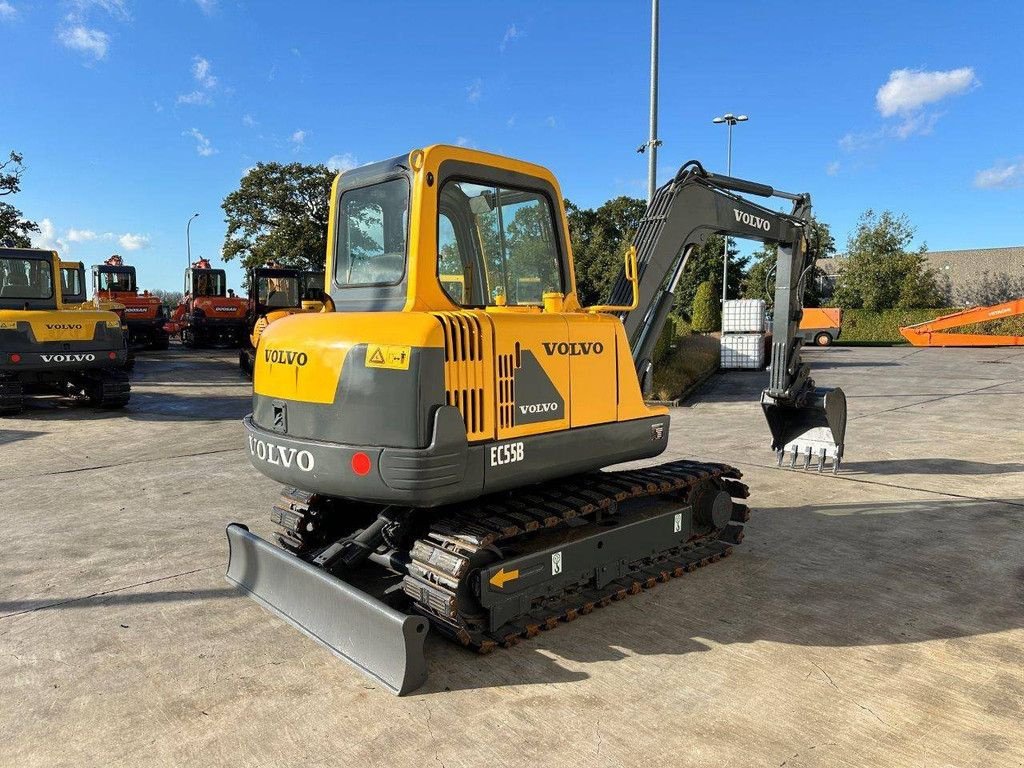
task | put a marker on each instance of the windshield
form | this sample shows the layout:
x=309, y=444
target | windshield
x=25, y=278
x=208, y=282
x=371, y=234
x=278, y=291
x=71, y=283
x=117, y=279
x=313, y=286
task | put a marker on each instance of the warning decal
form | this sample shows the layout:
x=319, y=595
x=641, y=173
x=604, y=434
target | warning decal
x=388, y=356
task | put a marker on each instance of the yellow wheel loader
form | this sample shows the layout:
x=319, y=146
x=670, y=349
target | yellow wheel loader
x=442, y=428
x=47, y=345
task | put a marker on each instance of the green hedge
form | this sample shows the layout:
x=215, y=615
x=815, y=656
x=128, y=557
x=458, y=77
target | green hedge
x=863, y=325
x=883, y=326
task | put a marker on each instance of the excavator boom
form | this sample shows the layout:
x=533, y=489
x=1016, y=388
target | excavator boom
x=933, y=332
x=806, y=422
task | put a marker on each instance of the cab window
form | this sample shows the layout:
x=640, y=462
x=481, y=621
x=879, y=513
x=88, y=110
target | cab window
x=496, y=245
x=371, y=247
x=25, y=278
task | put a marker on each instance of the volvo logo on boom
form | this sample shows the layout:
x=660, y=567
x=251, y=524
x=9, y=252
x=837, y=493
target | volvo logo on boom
x=573, y=349
x=285, y=357
x=752, y=221
x=281, y=456
x=64, y=326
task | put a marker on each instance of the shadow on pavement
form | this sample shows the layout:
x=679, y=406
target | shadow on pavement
x=932, y=466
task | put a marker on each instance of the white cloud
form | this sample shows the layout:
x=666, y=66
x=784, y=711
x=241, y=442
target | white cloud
x=47, y=239
x=511, y=34
x=116, y=8
x=511, y=122
x=474, y=91
x=1002, y=175
x=343, y=162
x=92, y=42
x=203, y=146
x=920, y=124
x=248, y=121
x=194, y=98
x=298, y=138
x=81, y=235
x=909, y=90
x=551, y=122
x=833, y=168
x=133, y=242
x=7, y=11
x=207, y=6
x=201, y=72
x=462, y=141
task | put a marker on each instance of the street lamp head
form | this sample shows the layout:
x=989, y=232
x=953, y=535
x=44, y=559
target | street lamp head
x=718, y=120
x=742, y=118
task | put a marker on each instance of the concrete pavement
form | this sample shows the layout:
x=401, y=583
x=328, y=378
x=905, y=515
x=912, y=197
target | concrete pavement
x=875, y=618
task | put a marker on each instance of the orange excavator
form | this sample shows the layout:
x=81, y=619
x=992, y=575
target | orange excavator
x=113, y=281
x=207, y=315
x=933, y=332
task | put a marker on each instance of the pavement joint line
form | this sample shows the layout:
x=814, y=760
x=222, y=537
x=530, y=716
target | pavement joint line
x=852, y=479
x=936, y=399
x=121, y=464
x=106, y=592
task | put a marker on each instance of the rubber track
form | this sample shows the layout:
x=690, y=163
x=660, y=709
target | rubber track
x=442, y=559
x=11, y=397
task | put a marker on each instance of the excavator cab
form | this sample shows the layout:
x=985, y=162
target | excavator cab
x=72, y=282
x=108, y=279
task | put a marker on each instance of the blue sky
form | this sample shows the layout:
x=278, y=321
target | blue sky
x=132, y=115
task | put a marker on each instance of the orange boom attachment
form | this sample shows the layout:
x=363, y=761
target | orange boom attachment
x=931, y=333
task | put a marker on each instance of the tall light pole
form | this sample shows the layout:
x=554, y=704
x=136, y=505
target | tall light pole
x=653, y=142
x=730, y=120
x=188, y=238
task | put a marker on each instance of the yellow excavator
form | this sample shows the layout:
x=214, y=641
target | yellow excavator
x=442, y=427
x=48, y=343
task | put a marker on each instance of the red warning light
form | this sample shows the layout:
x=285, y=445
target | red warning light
x=112, y=355
x=15, y=358
x=360, y=463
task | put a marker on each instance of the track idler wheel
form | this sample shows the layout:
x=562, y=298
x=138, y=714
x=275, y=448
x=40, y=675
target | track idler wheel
x=712, y=507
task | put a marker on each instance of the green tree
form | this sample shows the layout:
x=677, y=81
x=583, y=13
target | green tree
x=15, y=229
x=706, y=310
x=279, y=213
x=882, y=272
x=705, y=266
x=600, y=238
x=759, y=282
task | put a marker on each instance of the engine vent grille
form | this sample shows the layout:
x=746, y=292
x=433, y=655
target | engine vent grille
x=465, y=370
x=507, y=365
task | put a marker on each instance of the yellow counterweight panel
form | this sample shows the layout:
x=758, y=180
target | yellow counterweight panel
x=60, y=325
x=631, y=399
x=592, y=366
x=300, y=357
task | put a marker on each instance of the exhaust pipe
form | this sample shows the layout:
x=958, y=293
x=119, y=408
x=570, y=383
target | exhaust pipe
x=812, y=430
x=379, y=641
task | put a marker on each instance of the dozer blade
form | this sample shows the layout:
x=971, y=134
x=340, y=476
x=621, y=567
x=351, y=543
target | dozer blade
x=381, y=642
x=813, y=432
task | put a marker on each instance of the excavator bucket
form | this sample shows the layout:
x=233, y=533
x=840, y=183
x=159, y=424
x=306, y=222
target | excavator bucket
x=378, y=640
x=813, y=431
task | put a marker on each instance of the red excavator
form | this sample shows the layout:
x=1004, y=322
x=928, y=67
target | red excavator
x=207, y=314
x=114, y=281
x=934, y=332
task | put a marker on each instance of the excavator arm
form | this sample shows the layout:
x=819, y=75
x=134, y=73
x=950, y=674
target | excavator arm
x=804, y=420
x=933, y=332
